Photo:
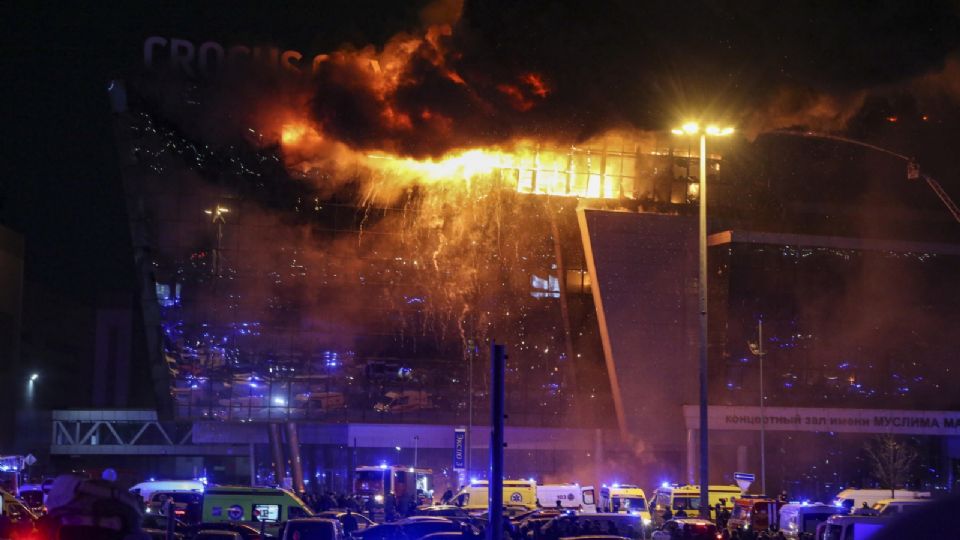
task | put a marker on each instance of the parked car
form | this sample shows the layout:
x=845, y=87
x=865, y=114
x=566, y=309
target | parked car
x=363, y=522
x=892, y=507
x=154, y=521
x=688, y=529
x=852, y=527
x=246, y=532
x=217, y=535
x=313, y=528
x=160, y=534
x=413, y=527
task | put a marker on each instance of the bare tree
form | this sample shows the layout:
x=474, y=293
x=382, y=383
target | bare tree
x=891, y=461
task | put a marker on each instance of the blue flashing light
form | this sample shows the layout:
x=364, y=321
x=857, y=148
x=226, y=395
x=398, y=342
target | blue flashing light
x=616, y=485
x=664, y=484
x=473, y=480
x=383, y=466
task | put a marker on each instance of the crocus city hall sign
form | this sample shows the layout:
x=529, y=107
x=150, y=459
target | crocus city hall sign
x=210, y=57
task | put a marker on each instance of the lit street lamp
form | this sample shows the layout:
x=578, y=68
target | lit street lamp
x=218, y=218
x=693, y=128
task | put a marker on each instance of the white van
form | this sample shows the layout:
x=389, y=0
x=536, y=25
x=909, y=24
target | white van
x=573, y=497
x=854, y=498
x=145, y=489
x=801, y=519
x=853, y=527
x=567, y=495
x=892, y=507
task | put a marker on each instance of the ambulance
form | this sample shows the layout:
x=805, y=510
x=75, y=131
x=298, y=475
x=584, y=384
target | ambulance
x=515, y=493
x=687, y=497
x=259, y=507
x=630, y=499
x=584, y=499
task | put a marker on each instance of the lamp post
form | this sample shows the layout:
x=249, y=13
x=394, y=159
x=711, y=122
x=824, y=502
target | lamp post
x=758, y=350
x=31, y=389
x=416, y=450
x=690, y=129
x=217, y=216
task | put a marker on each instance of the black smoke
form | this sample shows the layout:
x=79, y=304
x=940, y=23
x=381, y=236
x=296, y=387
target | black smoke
x=618, y=64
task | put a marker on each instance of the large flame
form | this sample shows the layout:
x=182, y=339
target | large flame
x=607, y=167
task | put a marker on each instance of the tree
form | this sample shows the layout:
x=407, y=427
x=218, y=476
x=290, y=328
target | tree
x=891, y=461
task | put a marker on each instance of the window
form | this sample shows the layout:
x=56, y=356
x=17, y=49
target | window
x=294, y=512
x=266, y=512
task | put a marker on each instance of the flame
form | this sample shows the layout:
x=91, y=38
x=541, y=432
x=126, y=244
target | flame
x=464, y=165
x=291, y=134
x=565, y=171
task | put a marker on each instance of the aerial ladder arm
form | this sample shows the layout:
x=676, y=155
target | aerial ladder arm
x=944, y=197
x=913, y=168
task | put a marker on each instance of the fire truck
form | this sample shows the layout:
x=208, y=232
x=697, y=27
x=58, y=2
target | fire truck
x=376, y=481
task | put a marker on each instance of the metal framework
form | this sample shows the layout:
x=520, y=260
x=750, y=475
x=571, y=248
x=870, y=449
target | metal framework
x=126, y=432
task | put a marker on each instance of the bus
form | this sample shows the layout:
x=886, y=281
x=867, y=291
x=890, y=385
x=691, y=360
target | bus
x=375, y=481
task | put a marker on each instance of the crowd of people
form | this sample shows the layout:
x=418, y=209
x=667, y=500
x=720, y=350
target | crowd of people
x=394, y=507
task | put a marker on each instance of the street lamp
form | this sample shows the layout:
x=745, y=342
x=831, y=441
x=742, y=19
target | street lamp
x=416, y=450
x=690, y=129
x=758, y=350
x=217, y=216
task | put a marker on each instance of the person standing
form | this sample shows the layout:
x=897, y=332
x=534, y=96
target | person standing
x=350, y=522
x=390, y=507
x=667, y=513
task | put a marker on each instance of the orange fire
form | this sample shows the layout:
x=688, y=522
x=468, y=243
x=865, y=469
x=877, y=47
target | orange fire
x=595, y=170
x=299, y=138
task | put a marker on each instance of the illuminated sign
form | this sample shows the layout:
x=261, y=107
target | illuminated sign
x=827, y=420
x=460, y=448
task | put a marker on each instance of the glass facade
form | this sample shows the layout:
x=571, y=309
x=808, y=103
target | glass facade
x=848, y=327
x=279, y=300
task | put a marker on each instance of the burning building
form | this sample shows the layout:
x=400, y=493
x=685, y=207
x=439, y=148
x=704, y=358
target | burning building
x=334, y=246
